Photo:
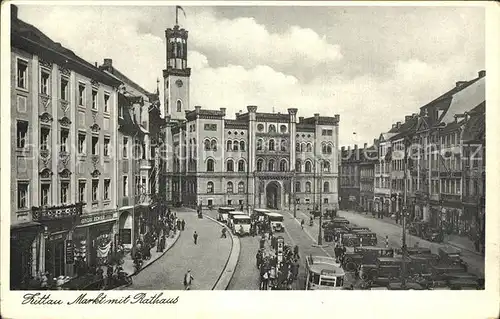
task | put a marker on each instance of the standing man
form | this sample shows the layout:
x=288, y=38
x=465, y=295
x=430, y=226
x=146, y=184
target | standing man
x=183, y=224
x=188, y=279
x=195, y=237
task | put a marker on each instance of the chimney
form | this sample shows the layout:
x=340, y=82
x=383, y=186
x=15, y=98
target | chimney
x=365, y=146
x=301, y=119
x=408, y=117
x=108, y=63
x=398, y=124
x=482, y=73
x=374, y=141
x=460, y=83
x=343, y=149
x=13, y=12
x=223, y=110
x=393, y=125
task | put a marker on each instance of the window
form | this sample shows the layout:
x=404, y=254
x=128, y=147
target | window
x=95, y=145
x=308, y=187
x=298, y=166
x=64, y=140
x=229, y=187
x=107, y=184
x=283, y=145
x=235, y=146
x=22, y=195
x=283, y=166
x=302, y=147
x=81, y=143
x=230, y=166
x=329, y=149
x=45, y=194
x=210, y=187
x=241, y=165
x=125, y=186
x=326, y=187
x=229, y=145
x=271, y=145
x=207, y=145
x=125, y=147
x=308, y=167
x=137, y=185
x=283, y=128
x=106, y=146
x=213, y=145
x=272, y=128
x=229, y=202
x=44, y=138
x=309, y=147
x=44, y=82
x=179, y=106
x=242, y=146
x=297, y=187
x=22, y=134
x=64, y=89
x=325, y=200
x=260, y=163
x=22, y=74
x=210, y=165
x=241, y=188
x=95, y=189
x=120, y=111
x=270, y=165
x=64, y=192
x=81, y=191
x=210, y=127
x=81, y=94
x=326, y=166
x=260, y=127
x=94, y=100
x=106, y=102
x=259, y=145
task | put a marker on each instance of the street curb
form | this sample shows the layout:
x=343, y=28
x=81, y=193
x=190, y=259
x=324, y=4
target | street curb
x=232, y=261
x=178, y=234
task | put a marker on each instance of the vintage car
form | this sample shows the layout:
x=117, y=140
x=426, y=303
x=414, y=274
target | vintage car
x=451, y=256
x=350, y=240
x=365, y=255
x=368, y=272
x=335, y=222
x=315, y=213
x=410, y=251
x=389, y=267
x=423, y=230
x=334, y=234
x=353, y=228
x=367, y=238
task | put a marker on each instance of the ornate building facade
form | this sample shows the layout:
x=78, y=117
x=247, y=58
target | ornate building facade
x=267, y=160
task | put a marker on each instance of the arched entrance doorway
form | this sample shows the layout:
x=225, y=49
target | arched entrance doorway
x=273, y=195
x=125, y=229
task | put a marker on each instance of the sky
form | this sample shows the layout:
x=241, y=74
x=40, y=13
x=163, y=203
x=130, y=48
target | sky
x=372, y=65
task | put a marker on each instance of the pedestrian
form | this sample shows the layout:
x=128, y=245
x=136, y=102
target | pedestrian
x=223, y=233
x=188, y=279
x=195, y=237
x=265, y=280
x=162, y=243
x=302, y=224
x=183, y=224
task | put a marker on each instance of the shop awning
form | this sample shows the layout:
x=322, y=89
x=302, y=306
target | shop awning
x=25, y=225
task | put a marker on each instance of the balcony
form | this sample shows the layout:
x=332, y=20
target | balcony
x=46, y=213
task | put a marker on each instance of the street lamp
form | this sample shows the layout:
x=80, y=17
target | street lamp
x=320, y=237
x=293, y=190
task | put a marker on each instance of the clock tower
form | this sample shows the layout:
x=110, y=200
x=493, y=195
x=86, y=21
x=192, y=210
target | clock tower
x=176, y=75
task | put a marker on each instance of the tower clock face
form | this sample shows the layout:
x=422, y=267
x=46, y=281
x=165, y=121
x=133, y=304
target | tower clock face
x=179, y=83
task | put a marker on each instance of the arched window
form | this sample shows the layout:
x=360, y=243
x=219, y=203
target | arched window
x=297, y=187
x=272, y=128
x=229, y=187
x=270, y=165
x=283, y=128
x=241, y=188
x=241, y=165
x=229, y=145
x=213, y=145
x=259, y=144
x=283, y=166
x=230, y=166
x=283, y=145
x=297, y=147
x=210, y=187
x=326, y=166
x=308, y=187
x=210, y=165
x=308, y=167
x=260, y=163
x=298, y=166
x=179, y=106
x=302, y=147
x=326, y=187
x=271, y=145
x=242, y=146
x=207, y=145
x=235, y=146
x=309, y=147
x=328, y=149
x=323, y=148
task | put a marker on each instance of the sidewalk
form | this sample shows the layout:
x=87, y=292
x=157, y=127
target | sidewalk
x=457, y=241
x=128, y=262
x=207, y=259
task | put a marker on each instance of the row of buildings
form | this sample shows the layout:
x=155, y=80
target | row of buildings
x=444, y=167
x=84, y=170
x=98, y=159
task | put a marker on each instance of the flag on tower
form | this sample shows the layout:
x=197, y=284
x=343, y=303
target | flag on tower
x=177, y=8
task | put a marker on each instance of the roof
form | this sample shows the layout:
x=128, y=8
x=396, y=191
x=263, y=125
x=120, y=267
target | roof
x=406, y=128
x=237, y=212
x=320, y=263
x=122, y=77
x=465, y=99
x=241, y=217
x=27, y=37
x=274, y=214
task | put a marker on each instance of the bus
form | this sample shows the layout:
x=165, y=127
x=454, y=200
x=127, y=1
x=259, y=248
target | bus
x=223, y=212
x=276, y=221
x=240, y=225
x=323, y=273
x=230, y=216
x=260, y=213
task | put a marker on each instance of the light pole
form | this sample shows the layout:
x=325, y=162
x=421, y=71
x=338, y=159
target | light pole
x=292, y=188
x=320, y=237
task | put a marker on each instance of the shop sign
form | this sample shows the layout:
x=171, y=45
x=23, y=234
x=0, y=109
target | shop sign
x=96, y=218
x=70, y=253
x=57, y=236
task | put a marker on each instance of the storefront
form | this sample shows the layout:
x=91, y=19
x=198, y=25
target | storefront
x=25, y=242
